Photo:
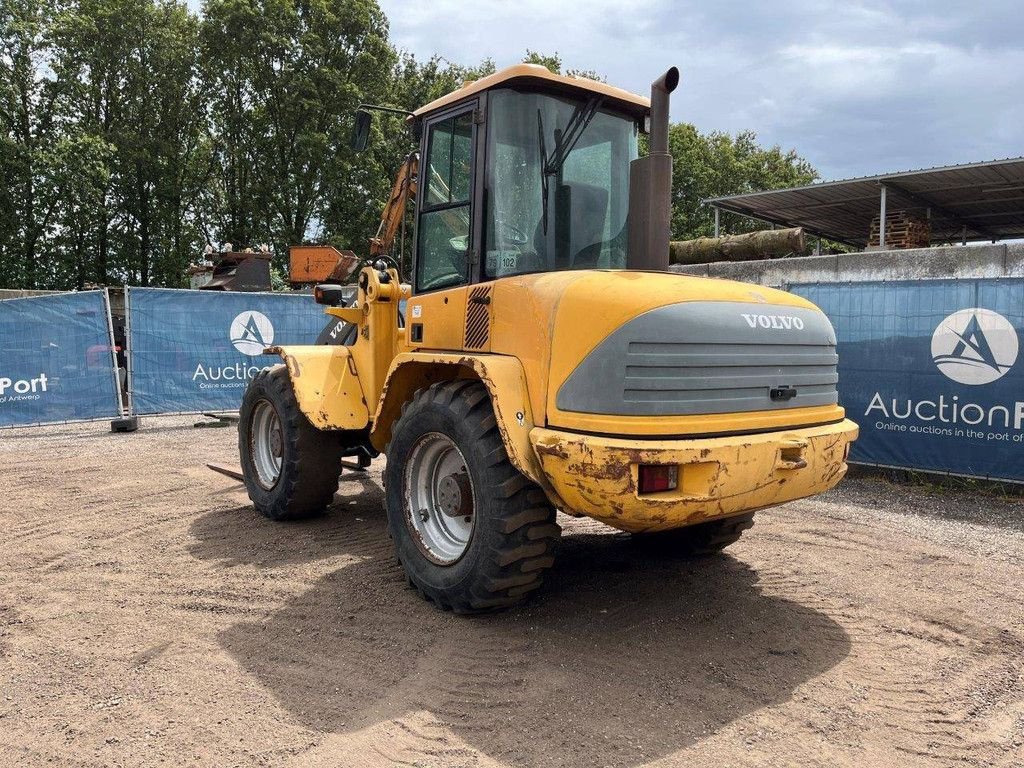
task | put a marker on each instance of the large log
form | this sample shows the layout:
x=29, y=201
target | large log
x=753, y=245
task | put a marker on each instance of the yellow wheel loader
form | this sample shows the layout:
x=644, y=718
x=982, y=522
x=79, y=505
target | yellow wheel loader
x=545, y=358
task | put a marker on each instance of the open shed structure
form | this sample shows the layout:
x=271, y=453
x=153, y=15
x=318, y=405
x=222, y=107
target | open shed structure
x=960, y=203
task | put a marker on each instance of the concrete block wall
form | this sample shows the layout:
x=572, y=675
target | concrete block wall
x=972, y=261
x=18, y=293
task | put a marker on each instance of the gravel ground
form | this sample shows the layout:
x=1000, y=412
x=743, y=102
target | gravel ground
x=148, y=616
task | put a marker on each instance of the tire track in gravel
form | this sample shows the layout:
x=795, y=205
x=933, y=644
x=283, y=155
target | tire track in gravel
x=159, y=618
x=359, y=656
x=915, y=675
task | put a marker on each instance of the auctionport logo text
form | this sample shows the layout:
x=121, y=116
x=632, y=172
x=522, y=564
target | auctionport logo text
x=12, y=390
x=973, y=346
x=250, y=333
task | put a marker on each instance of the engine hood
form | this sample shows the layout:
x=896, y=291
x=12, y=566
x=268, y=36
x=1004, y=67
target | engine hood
x=618, y=352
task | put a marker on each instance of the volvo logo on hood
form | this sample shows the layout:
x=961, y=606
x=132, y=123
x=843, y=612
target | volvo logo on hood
x=781, y=322
x=974, y=346
x=251, y=333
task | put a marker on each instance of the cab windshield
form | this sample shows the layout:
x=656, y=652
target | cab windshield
x=558, y=184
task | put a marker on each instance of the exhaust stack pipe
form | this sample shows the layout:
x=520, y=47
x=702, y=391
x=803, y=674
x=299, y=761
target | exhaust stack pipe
x=650, y=187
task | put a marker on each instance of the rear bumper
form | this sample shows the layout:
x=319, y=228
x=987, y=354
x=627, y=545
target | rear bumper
x=718, y=477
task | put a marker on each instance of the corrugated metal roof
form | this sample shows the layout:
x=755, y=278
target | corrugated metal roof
x=987, y=198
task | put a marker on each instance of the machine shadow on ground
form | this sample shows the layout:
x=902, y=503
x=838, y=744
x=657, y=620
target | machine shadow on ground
x=622, y=657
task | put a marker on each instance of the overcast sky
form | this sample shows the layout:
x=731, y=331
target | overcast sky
x=856, y=87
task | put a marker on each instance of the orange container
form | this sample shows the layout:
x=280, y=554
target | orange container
x=312, y=263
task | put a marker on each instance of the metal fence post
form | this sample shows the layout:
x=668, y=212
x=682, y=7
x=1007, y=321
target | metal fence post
x=881, y=219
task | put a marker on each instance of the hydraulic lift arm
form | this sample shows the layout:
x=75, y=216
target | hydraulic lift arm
x=403, y=190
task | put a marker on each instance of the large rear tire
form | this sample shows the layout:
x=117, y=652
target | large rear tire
x=291, y=468
x=698, y=540
x=471, y=532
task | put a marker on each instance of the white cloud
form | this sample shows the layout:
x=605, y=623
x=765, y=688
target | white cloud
x=857, y=87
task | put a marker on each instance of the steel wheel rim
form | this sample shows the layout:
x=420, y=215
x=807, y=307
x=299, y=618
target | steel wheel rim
x=267, y=443
x=434, y=469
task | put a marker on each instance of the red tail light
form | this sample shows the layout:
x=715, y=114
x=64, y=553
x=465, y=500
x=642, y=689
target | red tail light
x=657, y=477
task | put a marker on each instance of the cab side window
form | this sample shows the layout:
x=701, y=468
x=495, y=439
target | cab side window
x=446, y=185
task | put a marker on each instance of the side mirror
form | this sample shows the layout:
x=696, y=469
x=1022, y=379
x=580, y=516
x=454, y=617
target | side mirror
x=329, y=295
x=361, y=130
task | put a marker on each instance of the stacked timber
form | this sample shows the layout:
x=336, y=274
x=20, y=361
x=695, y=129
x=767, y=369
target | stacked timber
x=901, y=231
x=765, y=244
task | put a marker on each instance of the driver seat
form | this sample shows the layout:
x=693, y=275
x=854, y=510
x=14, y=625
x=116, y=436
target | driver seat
x=588, y=212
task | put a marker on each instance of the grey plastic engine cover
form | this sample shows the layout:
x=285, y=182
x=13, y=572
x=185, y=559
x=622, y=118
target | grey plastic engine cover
x=702, y=357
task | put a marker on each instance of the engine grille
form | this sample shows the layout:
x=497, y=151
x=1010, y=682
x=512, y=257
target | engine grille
x=707, y=357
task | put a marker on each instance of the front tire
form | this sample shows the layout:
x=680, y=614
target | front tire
x=291, y=468
x=471, y=532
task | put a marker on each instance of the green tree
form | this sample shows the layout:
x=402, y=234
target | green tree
x=714, y=164
x=416, y=83
x=27, y=130
x=133, y=130
x=124, y=81
x=79, y=167
x=553, y=62
x=165, y=155
x=285, y=78
x=93, y=63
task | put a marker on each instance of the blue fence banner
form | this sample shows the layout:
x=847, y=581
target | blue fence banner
x=932, y=371
x=194, y=351
x=56, y=360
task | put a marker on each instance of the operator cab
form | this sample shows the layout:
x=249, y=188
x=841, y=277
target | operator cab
x=521, y=172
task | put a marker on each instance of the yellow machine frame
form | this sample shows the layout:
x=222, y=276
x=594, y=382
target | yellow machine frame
x=364, y=386
x=586, y=463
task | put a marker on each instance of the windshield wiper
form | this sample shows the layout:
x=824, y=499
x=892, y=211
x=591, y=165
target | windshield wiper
x=543, y=174
x=565, y=142
x=578, y=122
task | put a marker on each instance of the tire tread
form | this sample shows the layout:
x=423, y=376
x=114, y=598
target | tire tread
x=518, y=510
x=309, y=476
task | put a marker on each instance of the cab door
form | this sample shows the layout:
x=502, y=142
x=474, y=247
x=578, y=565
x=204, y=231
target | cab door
x=447, y=231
